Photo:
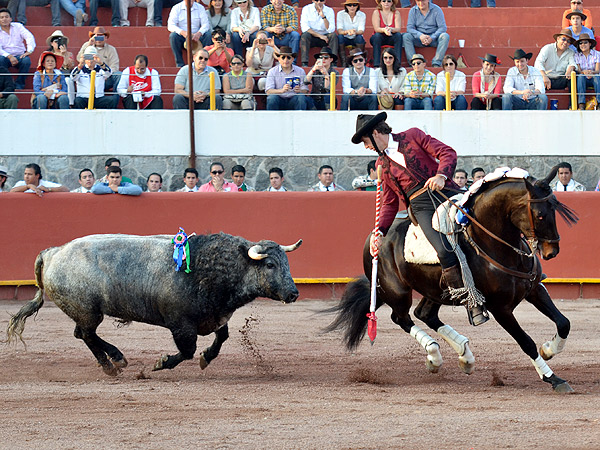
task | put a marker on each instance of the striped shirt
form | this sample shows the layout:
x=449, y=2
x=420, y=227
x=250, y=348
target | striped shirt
x=426, y=84
x=587, y=62
x=287, y=17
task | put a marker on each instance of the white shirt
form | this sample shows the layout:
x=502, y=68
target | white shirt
x=515, y=81
x=83, y=81
x=45, y=183
x=397, y=81
x=311, y=20
x=573, y=186
x=187, y=189
x=177, y=21
x=458, y=83
x=272, y=189
x=554, y=66
x=345, y=23
x=124, y=83
x=347, y=86
x=82, y=190
x=12, y=44
x=245, y=22
x=393, y=153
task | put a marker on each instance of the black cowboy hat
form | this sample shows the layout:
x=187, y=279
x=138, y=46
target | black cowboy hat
x=520, y=53
x=327, y=51
x=586, y=37
x=492, y=59
x=365, y=123
x=576, y=13
x=285, y=50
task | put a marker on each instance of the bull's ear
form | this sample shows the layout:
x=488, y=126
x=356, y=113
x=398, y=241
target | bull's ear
x=243, y=249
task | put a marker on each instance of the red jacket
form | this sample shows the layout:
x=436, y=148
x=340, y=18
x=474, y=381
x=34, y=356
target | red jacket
x=421, y=153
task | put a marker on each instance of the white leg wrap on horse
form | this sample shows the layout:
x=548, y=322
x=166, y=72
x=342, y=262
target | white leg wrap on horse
x=541, y=367
x=429, y=344
x=457, y=341
x=555, y=346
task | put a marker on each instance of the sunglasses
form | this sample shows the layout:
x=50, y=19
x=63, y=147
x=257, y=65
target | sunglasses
x=576, y=3
x=583, y=42
x=236, y=63
x=449, y=64
x=217, y=172
x=285, y=57
x=416, y=63
x=564, y=39
x=319, y=1
x=324, y=57
x=202, y=58
x=388, y=57
x=356, y=60
x=386, y=1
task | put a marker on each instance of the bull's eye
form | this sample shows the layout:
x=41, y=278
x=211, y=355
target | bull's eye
x=270, y=265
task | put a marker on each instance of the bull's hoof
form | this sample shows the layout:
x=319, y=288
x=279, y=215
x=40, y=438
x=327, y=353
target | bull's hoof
x=466, y=366
x=545, y=355
x=120, y=363
x=159, y=364
x=559, y=385
x=202, y=361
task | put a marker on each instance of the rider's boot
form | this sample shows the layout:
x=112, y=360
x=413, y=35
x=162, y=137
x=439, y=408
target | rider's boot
x=452, y=278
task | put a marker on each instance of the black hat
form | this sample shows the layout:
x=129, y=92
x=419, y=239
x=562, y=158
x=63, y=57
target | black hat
x=365, y=123
x=520, y=53
x=285, y=50
x=327, y=51
x=492, y=59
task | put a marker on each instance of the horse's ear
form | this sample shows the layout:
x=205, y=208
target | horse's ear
x=546, y=181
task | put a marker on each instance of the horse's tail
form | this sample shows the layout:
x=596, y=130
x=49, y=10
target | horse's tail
x=16, y=325
x=352, y=312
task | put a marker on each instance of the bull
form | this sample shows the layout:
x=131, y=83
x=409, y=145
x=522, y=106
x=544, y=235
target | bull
x=133, y=278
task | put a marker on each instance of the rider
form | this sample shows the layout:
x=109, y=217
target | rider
x=412, y=173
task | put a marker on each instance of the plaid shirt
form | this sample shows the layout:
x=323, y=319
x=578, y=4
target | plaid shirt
x=426, y=85
x=287, y=17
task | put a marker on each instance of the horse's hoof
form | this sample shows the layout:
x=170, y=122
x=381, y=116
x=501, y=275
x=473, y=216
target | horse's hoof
x=432, y=368
x=563, y=388
x=110, y=370
x=202, y=361
x=546, y=356
x=120, y=363
x=159, y=364
x=466, y=366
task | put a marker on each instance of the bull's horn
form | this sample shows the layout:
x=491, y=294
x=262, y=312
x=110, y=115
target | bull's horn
x=291, y=248
x=254, y=252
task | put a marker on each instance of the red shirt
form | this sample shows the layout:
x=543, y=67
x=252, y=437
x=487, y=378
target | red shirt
x=219, y=60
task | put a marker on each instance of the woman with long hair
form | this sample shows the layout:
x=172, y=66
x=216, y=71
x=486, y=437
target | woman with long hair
x=487, y=85
x=588, y=68
x=390, y=80
x=386, y=23
x=245, y=22
x=351, y=22
x=458, y=86
x=219, y=16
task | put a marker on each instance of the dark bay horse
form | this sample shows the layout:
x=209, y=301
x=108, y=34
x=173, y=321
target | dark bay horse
x=504, y=272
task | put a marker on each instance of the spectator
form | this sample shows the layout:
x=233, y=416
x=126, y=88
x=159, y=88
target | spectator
x=276, y=180
x=317, y=23
x=109, y=163
x=238, y=175
x=140, y=86
x=588, y=68
x=460, y=178
x=57, y=44
x=281, y=22
x=556, y=61
x=325, y=183
x=16, y=44
x=219, y=16
x=598, y=186
x=458, y=86
x=565, y=180
x=576, y=27
x=8, y=100
x=219, y=56
x=477, y=3
x=115, y=184
x=351, y=23
x=477, y=174
x=245, y=23
x=577, y=5
x=426, y=27
x=487, y=85
x=386, y=23
x=3, y=176
x=359, y=84
x=154, y=182
x=390, y=80
x=419, y=85
x=367, y=182
x=86, y=181
x=17, y=9
x=107, y=53
x=319, y=77
x=49, y=86
x=32, y=182
x=200, y=84
x=81, y=76
x=177, y=26
x=260, y=58
x=524, y=85
x=75, y=8
x=114, y=5
x=217, y=181
x=190, y=180
x=238, y=86
x=126, y=4
x=285, y=85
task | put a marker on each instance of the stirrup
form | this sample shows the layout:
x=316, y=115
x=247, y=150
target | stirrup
x=478, y=315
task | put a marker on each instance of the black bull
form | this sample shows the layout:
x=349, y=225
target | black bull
x=133, y=278
x=509, y=208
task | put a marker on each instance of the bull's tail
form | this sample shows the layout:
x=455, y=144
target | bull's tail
x=352, y=312
x=16, y=325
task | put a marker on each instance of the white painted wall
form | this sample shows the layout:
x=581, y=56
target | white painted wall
x=290, y=133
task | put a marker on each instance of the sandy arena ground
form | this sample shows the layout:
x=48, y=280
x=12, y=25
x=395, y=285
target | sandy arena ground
x=280, y=384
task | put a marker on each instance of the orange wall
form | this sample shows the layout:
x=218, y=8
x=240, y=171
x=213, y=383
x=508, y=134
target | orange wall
x=333, y=226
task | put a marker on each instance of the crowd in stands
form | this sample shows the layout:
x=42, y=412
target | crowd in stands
x=251, y=51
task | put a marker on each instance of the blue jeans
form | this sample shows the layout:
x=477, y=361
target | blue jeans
x=296, y=102
x=177, y=42
x=72, y=8
x=105, y=102
x=458, y=104
x=239, y=48
x=405, y=3
x=418, y=103
x=181, y=102
x=477, y=3
x=41, y=102
x=17, y=9
x=441, y=43
x=379, y=39
x=291, y=39
x=510, y=101
x=583, y=83
x=354, y=102
x=343, y=41
x=115, y=20
x=22, y=66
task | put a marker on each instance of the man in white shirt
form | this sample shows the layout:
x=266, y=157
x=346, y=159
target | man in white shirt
x=524, y=85
x=32, y=182
x=276, y=179
x=325, y=183
x=190, y=179
x=556, y=61
x=16, y=44
x=317, y=23
x=565, y=180
x=86, y=180
x=139, y=86
x=359, y=84
x=177, y=26
x=81, y=76
x=154, y=182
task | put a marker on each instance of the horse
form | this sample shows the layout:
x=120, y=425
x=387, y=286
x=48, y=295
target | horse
x=513, y=219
